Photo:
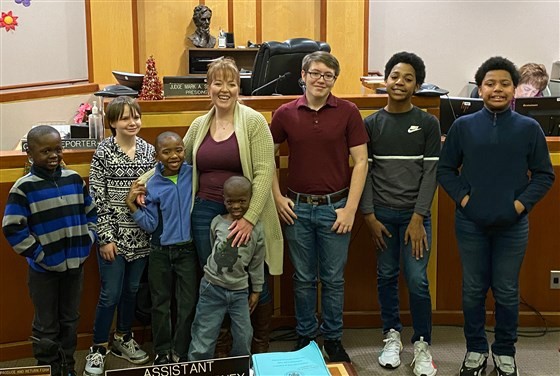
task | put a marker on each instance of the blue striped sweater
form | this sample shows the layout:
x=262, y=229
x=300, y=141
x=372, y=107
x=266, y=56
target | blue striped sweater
x=50, y=218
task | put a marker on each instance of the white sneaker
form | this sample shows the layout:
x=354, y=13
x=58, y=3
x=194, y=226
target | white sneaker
x=127, y=348
x=95, y=361
x=390, y=355
x=423, y=363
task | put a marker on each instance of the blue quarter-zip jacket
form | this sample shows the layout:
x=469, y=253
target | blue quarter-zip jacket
x=169, y=203
x=488, y=155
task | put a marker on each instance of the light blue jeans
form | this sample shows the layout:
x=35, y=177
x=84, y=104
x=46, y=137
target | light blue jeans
x=318, y=253
x=120, y=281
x=213, y=303
x=491, y=259
x=388, y=268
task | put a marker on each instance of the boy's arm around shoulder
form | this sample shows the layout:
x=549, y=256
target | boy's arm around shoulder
x=146, y=217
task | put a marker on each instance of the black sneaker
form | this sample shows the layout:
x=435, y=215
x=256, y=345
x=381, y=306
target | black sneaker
x=161, y=359
x=335, y=351
x=473, y=364
x=302, y=341
x=505, y=365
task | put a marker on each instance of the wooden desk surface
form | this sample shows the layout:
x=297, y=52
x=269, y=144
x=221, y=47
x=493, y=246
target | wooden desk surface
x=342, y=369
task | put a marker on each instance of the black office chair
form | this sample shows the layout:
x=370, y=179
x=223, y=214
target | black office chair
x=282, y=60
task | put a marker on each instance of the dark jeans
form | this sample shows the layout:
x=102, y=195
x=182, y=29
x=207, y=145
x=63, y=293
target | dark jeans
x=202, y=215
x=491, y=259
x=56, y=299
x=120, y=281
x=168, y=264
x=388, y=268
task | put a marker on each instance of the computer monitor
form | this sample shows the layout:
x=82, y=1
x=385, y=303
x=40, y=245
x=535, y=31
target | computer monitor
x=131, y=80
x=545, y=110
x=451, y=108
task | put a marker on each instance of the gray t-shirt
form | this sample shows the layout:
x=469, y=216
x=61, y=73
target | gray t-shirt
x=231, y=267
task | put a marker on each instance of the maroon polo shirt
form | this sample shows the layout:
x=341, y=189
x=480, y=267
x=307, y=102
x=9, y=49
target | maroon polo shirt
x=319, y=143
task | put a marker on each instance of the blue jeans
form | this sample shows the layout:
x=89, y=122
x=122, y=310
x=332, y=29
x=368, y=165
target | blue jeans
x=119, y=284
x=172, y=267
x=202, y=215
x=213, y=303
x=491, y=259
x=318, y=253
x=56, y=300
x=388, y=268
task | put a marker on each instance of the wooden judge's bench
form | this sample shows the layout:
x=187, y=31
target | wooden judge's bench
x=361, y=308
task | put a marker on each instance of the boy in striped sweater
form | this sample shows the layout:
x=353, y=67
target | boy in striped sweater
x=50, y=219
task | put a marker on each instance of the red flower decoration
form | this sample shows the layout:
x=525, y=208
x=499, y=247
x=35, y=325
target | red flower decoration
x=8, y=21
x=82, y=114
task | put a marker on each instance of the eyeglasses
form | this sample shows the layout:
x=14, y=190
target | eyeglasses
x=328, y=77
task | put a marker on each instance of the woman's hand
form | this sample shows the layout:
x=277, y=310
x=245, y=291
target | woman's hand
x=108, y=251
x=241, y=230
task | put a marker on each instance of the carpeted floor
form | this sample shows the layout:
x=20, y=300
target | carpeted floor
x=536, y=356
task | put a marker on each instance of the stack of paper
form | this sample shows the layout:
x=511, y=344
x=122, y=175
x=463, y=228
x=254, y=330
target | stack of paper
x=307, y=361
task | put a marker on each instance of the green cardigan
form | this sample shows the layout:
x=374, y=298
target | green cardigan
x=256, y=151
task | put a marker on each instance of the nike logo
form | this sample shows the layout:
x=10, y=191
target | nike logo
x=414, y=128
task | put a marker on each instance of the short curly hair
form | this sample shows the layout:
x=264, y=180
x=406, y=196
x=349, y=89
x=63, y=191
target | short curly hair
x=496, y=63
x=407, y=58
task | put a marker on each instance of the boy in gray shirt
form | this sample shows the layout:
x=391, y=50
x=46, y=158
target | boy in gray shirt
x=227, y=276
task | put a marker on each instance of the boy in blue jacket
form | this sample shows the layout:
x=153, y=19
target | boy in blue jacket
x=50, y=219
x=484, y=167
x=166, y=216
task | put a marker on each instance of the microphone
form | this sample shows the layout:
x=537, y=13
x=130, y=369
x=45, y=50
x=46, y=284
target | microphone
x=275, y=81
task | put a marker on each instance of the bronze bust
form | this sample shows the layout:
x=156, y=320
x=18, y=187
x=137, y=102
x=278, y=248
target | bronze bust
x=201, y=37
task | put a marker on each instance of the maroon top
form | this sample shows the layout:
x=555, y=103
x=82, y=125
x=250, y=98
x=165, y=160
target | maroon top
x=319, y=143
x=216, y=162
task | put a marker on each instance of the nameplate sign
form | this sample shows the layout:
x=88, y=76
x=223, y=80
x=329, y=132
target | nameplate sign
x=26, y=371
x=71, y=143
x=235, y=366
x=180, y=89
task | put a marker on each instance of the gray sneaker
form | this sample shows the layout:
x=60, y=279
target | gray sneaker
x=127, y=348
x=95, y=361
x=505, y=365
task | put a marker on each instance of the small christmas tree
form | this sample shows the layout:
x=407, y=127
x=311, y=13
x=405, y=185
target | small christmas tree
x=152, y=87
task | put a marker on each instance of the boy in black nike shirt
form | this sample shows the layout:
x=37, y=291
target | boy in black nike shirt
x=404, y=149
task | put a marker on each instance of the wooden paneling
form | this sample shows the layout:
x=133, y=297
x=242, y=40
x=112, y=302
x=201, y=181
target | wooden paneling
x=242, y=29
x=347, y=42
x=288, y=19
x=112, y=38
x=163, y=27
x=219, y=17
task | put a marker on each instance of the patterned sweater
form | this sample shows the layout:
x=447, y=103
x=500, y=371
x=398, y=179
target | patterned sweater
x=111, y=175
x=50, y=218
